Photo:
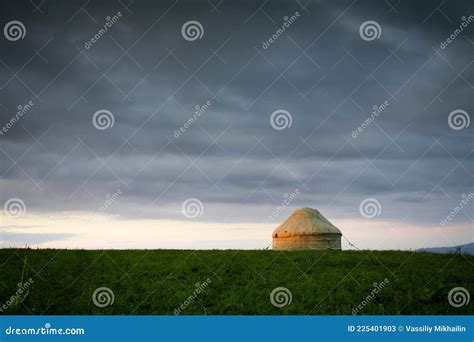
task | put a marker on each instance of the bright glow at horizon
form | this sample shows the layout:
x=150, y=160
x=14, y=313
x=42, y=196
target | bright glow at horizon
x=83, y=230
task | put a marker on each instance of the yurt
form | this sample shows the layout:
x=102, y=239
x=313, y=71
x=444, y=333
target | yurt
x=306, y=228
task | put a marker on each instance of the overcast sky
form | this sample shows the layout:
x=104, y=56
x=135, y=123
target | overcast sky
x=322, y=70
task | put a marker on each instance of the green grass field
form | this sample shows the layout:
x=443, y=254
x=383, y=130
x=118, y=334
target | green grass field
x=160, y=281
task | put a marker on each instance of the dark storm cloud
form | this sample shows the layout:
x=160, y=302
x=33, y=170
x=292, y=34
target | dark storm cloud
x=151, y=79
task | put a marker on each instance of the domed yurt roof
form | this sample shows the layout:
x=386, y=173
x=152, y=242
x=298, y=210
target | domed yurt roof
x=305, y=221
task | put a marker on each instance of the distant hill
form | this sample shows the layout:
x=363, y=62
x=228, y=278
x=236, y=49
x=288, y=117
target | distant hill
x=466, y=249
